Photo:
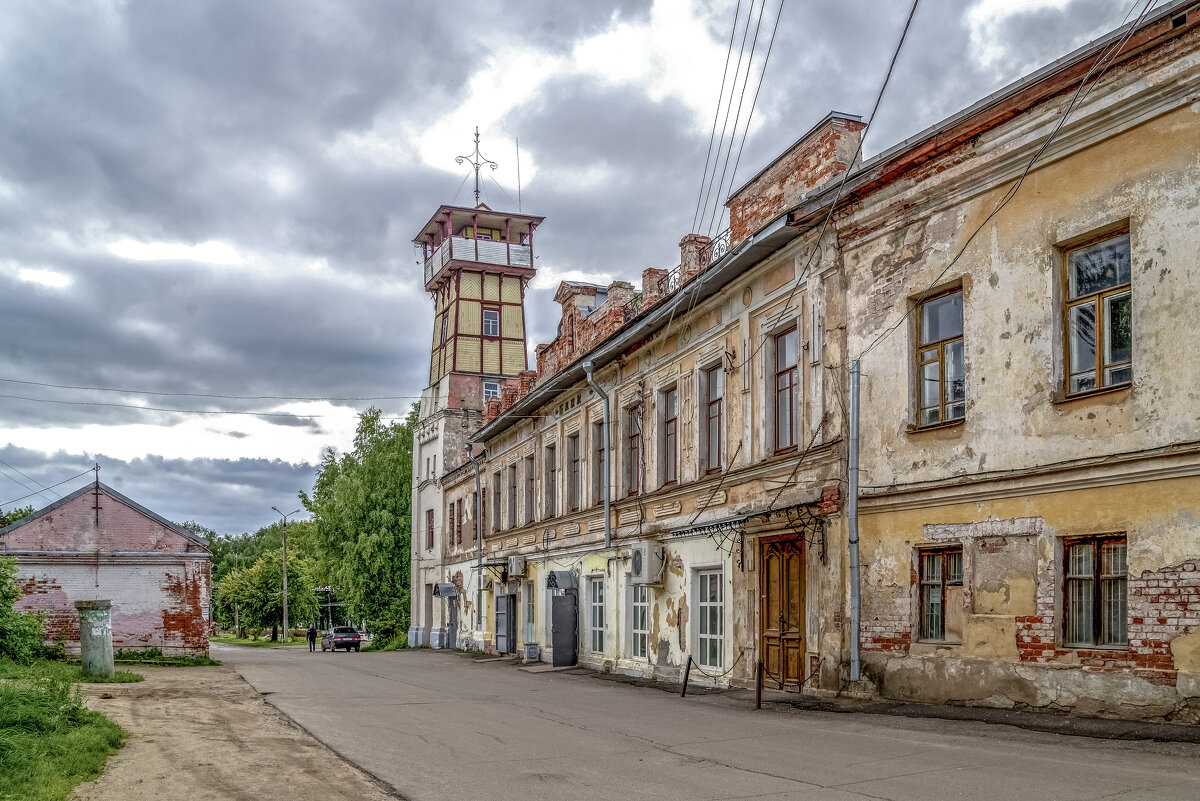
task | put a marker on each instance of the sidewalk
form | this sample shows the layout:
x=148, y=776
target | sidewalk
x=1031, y=720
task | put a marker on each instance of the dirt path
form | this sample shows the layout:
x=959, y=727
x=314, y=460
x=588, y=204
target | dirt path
x=203, y=733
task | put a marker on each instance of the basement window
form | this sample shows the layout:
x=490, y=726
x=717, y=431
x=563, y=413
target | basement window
x=1094, y=592
x=941, y=594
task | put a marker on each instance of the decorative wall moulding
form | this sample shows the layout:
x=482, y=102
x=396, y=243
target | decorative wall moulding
x=529, y=539
x=549, y=534
x=511, y=542
x=571, y=528
x=669, y=509
x=627, y=518
x=708, y=499
x=595, y=524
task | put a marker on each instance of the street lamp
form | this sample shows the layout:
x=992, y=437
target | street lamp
x=285, y=517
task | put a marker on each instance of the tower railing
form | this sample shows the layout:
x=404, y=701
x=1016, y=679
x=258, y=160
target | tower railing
x=483, y=251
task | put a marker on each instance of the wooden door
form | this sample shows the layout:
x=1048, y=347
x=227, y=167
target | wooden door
x=781, y=611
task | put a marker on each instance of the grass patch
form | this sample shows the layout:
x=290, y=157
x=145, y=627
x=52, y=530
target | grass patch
x=49, y=741
x=156, y=658
x=229, y=639
x=68, y=672
x=392, y=646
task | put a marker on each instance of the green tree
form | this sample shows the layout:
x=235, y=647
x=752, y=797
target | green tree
x=361, y=505
x=21, y=633
x=15, y=514
x=257, y=591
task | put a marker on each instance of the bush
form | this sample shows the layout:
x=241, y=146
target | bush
x=21, y=633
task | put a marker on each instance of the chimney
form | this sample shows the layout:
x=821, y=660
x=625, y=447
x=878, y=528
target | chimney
x=654, y=286
x=692, y=256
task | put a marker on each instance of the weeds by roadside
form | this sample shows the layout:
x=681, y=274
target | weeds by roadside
x=229, y=639
x=50, y=741
x=156, y=658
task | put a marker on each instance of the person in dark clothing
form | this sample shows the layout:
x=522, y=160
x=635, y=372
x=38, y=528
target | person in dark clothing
x=312, y=637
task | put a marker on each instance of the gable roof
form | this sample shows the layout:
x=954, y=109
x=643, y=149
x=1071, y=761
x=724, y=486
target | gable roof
x=63, y=501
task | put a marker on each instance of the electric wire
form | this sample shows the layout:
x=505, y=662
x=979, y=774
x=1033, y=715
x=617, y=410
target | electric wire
x=1101, y=58
x=161, y=409
x=25, y=475
x=717, y=112
x=128, y=391
x=52, y=486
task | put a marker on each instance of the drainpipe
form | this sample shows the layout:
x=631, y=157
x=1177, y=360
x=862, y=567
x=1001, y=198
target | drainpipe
x=587, y=369
x=852, y=519
x=470, y=448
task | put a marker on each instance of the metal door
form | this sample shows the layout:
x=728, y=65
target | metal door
x=505, y=609
x=781, y=607
x=452, y=630
x=564, y=627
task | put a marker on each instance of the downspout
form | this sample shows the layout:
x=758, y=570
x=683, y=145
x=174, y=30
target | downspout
x=587, y=369
x=852, y=520
x=478, y=536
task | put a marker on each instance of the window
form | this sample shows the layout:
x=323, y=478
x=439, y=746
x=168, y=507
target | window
x=714, y=395
x=530, y=611
x=429, y=529
x=573, y=473
x=597, y=463
x=941, y=594
x=491, y=389
x=528, y=490
x=670, y=436
x=491, y=322
x=633, y=452
x=641, y=620
x=482, y=515
x=459, y=518
x=495, y=502
x=551, y=482
x=512, y=496
x=1099, y=316
x=1094, y=592
x=786, y=353
x=596, y=614
x=940, y=371
x=712, y=625
x=445, y=327
x=478, y=518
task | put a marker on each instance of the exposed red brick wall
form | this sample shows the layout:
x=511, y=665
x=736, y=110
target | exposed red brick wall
x=578, y=334
x=816, y=159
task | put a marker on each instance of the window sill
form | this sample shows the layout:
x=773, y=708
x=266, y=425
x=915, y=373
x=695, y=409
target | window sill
x=913, y=428
x=1106, y=649
x=1061, y=398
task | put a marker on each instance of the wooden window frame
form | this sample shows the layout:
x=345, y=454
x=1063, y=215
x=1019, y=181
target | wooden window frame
x=429, y=529
x=923, y=358
x=573, y=459
x=459, y=518
x=930, y=584
x=550, y=459
x=599, y=463
x=714, y=411
x=1098, y=300
x=483, y=322
x=512, y=495
x=639, y=614
x=530, y=492
x=670, y=436
x=633, y=451
x=703, y=605
x=1098, y=604
x=496, y=501
x=596, y=616
x=792, y=376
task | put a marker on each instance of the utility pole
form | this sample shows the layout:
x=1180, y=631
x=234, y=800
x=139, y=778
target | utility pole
x=285, y=597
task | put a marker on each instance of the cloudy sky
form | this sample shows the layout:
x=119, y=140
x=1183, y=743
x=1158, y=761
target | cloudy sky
x=217, y=198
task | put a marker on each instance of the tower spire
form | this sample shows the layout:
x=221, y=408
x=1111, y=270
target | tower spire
x=476, y=160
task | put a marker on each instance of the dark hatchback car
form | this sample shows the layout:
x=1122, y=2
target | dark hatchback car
x=341, y=637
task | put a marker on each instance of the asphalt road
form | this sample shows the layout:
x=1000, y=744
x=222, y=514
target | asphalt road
x=437, y=725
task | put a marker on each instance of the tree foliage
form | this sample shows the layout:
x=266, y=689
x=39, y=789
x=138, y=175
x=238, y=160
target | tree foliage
x=361, y=505
x=14, y=514
x=257, y=592
x=21, y=633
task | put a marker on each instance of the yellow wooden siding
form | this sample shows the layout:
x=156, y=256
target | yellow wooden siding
x=510, y=289
x=451, y=325
x=468, y=317
x=468, y=355
x=469, y=285
x=491, y=287
x=514, y=357
x=510, y=322
x=491, y=356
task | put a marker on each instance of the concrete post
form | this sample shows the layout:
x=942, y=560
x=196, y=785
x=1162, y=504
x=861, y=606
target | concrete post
x=95, y=638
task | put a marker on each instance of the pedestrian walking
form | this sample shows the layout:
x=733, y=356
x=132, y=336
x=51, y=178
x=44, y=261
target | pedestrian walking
x=312, y=637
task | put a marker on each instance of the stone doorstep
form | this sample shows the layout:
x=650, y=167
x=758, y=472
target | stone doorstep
x=1054, y=723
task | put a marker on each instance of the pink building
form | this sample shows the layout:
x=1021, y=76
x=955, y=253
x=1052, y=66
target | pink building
x=96, y=544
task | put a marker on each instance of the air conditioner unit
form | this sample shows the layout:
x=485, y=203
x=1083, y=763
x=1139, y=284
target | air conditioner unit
x=647, y=563
x=516, y=565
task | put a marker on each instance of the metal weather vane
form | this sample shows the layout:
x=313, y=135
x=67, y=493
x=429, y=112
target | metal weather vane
x=476, y=160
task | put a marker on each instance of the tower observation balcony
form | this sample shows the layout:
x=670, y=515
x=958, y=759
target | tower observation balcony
x=462, y=238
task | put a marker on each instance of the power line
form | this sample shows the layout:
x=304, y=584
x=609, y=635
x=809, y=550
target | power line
x=26, y=475
x=1102, y=58
x=717, y=113
x=159, y=409
x=52, y=486
x=204, y=394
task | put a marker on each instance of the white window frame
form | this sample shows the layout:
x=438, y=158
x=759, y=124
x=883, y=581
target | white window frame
x=491, y=389
x=703, y=604
x=490, y=330
x=639, y=612
x=530, y=611
x=595, y=614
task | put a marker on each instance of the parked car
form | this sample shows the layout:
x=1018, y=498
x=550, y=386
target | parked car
x=341, y=637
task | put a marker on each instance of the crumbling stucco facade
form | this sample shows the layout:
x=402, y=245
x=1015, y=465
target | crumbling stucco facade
x=96, y=544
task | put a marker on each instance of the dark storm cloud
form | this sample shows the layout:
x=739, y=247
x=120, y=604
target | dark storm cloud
x=190, y=122
x=230, y=496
